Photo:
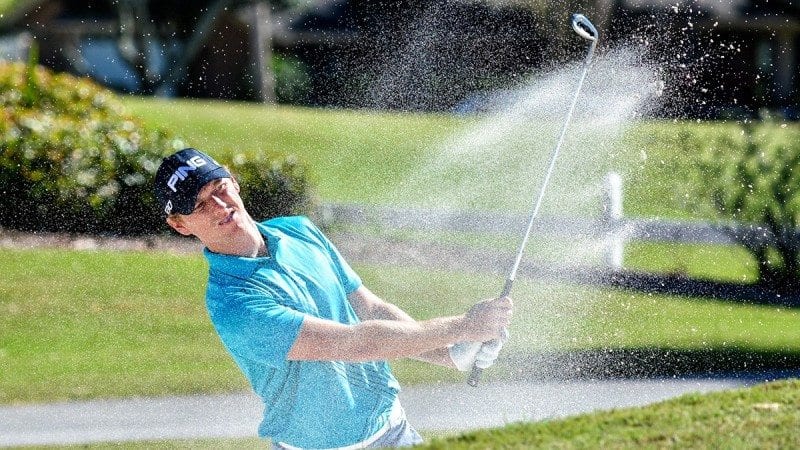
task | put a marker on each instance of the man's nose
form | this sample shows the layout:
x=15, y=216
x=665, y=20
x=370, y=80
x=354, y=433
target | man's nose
x=219, y=201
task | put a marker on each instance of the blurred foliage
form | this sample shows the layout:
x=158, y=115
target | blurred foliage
x=292, y=79
x=7, y=6
x=753, y=177
x=272, y=186
x=72, y=159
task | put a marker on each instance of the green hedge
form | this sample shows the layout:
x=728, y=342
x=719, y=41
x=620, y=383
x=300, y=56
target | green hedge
x=72, y=159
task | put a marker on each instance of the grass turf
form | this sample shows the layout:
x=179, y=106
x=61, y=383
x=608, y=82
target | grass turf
x=134, y=323
x=763, y=417
x=350, y=154
x=435, y=159
x=123, y=326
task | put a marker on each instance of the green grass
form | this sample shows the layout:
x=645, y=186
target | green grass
x=77, y=325
x=97, y=324
x=440, y=160
x=715, y=262
x=350, y=154
x=764, y=417
x=434, y=160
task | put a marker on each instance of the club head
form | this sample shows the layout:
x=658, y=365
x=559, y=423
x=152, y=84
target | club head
x=583, y=27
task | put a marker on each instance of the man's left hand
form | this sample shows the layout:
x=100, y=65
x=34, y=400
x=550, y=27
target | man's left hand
x=481, y=354
x=490, y=350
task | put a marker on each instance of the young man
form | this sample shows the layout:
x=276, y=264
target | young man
x=309, y=336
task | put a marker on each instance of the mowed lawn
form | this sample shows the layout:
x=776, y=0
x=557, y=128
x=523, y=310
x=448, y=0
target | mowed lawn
x=351, y=156
x=104, y=324
x=763, y=417
x=437, y=159
x=445, y=161
x=96, y=324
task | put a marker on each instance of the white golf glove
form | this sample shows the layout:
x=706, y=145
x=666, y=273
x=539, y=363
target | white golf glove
x=466, y=354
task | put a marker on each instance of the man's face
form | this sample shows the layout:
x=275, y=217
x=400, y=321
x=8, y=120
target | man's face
x=218, y=212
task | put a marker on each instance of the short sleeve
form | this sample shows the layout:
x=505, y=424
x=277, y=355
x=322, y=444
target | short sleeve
x=347, y=276
x=255, y=326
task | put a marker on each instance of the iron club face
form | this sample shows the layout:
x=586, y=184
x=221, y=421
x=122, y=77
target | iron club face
x=584, y=27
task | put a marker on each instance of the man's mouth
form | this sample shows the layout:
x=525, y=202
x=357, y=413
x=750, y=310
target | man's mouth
x=228, y=218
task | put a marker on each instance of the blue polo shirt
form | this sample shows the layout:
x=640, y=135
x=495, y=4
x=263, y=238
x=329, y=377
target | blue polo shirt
x=257, y=306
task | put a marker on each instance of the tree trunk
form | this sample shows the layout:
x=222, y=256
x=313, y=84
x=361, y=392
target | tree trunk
x=261, y=52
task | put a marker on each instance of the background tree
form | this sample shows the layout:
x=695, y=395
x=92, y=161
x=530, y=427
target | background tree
x=753, y=177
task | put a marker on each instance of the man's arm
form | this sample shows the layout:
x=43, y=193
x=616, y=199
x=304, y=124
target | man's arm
x=369, y=306
x=389, y=333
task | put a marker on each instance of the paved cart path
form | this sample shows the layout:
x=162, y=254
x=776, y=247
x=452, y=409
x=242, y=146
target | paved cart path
x=444, y=407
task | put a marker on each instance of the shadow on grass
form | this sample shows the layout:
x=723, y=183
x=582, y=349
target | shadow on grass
x=689, y=287
x=652, y=363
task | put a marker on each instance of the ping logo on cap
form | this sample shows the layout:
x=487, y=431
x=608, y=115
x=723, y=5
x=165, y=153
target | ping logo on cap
x=182, y=172
x=181, y=176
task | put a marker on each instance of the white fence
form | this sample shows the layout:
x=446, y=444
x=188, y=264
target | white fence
x=611, y=226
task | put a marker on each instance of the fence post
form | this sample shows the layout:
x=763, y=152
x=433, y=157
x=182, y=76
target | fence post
x=614, y=242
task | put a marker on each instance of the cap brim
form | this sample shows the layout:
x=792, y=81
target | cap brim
x=187, y=203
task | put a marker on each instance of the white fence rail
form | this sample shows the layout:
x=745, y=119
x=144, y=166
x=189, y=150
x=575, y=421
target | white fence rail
x=611, y=226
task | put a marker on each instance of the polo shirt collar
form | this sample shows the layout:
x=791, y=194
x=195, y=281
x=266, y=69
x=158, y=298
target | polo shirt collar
x=242, y=266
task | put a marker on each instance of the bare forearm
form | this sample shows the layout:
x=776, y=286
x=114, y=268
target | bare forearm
x=380, y=309
x=388, y=339
x=375, y=339
x=386, y=332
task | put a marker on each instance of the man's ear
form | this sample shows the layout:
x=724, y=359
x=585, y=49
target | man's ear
x=177, y=224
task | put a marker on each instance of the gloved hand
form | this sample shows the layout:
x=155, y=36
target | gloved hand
x=489, y=350
x=463, y=354
x=466, y=354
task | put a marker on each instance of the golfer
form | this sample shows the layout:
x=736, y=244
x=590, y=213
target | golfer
x=311, y=339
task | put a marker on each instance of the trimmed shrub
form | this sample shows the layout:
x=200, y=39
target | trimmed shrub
x=753, y=177
x=72, y=160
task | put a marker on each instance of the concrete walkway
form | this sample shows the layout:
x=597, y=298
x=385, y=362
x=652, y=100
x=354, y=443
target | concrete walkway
x=445, y=407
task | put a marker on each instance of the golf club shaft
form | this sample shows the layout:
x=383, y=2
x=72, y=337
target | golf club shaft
x=475, y=374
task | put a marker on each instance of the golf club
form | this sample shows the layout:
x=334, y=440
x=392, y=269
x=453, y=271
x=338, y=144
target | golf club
x=586, y=30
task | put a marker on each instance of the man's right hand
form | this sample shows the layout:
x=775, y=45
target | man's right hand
x=487, y=319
